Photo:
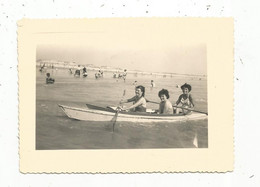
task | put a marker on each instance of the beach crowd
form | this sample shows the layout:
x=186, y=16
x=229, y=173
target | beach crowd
x=139, y=101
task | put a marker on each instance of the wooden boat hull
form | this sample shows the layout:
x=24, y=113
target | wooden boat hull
x=87, y=114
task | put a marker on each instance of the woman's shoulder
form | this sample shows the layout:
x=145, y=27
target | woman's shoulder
x=143, y=99
x=132, y=99
x=190, y=96
x=168, y=103
x=181, y=96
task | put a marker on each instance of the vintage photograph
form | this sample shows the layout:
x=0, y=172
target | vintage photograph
x=121, y=97
x=125, y=95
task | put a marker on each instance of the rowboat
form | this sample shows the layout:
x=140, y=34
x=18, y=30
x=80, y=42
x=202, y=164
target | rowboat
x=96, y=113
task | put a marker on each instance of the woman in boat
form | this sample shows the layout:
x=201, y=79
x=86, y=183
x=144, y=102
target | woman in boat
x=139, y=102
x=185, y=99
x=165, y=106
x=49, y=80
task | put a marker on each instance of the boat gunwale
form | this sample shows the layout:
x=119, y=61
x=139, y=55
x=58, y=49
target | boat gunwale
x=111, y=112
x=94, y=107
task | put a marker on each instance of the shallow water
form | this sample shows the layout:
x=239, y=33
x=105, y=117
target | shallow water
x=54, y=130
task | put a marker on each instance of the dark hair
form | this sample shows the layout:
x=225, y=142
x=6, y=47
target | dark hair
x=141, y=88
x=186, y=86
x=48, y=74
x=164, y=92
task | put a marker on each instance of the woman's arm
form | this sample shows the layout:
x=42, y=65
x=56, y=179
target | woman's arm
x=168, y=108
x=179, y=100
x=191, y=100
x=160, y=108
x=127, y=100
x=138, y=103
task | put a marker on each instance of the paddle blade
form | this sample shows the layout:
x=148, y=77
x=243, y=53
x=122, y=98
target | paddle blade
x=114, y=120
x=114, y=117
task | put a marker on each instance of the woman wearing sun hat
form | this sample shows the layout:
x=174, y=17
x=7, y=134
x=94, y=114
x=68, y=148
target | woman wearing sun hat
x=185, y=99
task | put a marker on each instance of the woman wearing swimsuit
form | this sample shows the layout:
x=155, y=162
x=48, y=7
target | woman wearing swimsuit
x=185, y=99
x=139, y=102
x=165, y=106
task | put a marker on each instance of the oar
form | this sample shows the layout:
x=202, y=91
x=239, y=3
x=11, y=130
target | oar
x=115, y=116
x=180, y=107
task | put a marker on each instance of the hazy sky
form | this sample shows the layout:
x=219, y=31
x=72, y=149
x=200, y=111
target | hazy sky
x=183, y=59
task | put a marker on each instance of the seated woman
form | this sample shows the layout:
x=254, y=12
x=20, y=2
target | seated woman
x=165, y=106
x=139, y=102
x=49, y=80
x=185, y=99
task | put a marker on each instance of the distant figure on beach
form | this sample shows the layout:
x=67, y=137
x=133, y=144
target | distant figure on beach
x=139, y=102
x=70, y=70
x=119, y=76
x=135, y=83
x=124, y=74
x=77, y=72
x=49, y=80
x=165, y=106
x=185, y=99
x=42, y=68
x=84, y=72
x=152, y=84
x=99, y=74
x=114, y=75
